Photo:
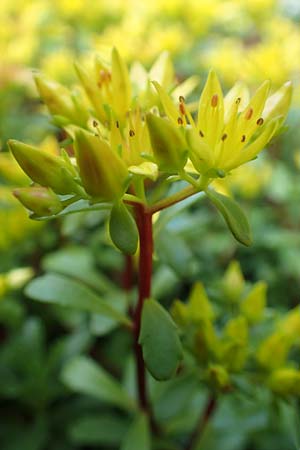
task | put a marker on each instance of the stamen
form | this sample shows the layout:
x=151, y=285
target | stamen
x=182, y=109
x=201, y=134
x=181, y=99
x=131, y=133
x=260, y=121
x=179, y=121
x=238, y=100
x=95, y=123
x=243, y=138
x=248, y=114
x=224, y=137
x=117, y=124
x=214, y=100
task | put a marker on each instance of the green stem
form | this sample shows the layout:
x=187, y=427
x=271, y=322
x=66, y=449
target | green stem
x=172, y=199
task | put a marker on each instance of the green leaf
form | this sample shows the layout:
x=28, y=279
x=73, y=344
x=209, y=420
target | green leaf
x=138, y=436
x=106, y=429
x=174, y=251
x=60, y=290
x=123, y=229
x=235, y=218
x=77, y=262
x=83, y=375
x=162, y=349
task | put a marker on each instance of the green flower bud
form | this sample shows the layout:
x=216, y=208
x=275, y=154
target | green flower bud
x=205, y=342
x=233, y=282
x=272, y=352
x=168, y=143
x=254, y=304
x=43, y=168
x=57, y=98
x=278, y=104
x=285, y=381
x=199, y=307
x=40, y=200
x=218, y=377
x=234, y=344
x=179, y=313
x=102, y=171
x=92, y=90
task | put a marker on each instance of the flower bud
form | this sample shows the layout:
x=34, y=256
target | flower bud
x=102, y=171
x=278, y=104
x=92, y=90
x=43, y=168
x=57, y=98
x=40, y=200
x=168, y=143
x=218, y=377
x=285, y=381
x=254, y=304
x=273, y=351
x=233, y=282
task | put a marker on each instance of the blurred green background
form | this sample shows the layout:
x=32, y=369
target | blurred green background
x=251, y=40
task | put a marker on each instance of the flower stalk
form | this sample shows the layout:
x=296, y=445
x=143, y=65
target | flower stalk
x=144, y=223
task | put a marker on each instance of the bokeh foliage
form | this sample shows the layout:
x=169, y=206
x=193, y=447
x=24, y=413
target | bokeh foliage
x=43, y=345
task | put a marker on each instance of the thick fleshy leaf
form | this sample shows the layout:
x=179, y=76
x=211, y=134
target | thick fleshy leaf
x=162, y=349
x=85, y=430
x=83, y=375
x=234, y=216
x=60, y=290
x=138, y=436
x=123, y=229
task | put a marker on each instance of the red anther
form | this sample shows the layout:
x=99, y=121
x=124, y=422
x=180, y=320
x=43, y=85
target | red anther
x=260, y=121
x=248, y=114
x=214, y=100
x=182, y=109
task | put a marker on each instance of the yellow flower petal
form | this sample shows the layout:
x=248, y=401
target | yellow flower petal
x=211, y=110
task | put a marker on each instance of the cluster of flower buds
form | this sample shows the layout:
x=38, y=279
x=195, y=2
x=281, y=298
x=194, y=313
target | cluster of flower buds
x=223, y=347
x=124, y=126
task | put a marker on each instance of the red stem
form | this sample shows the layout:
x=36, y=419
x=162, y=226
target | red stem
x=144, y=223
x=128, y=274
x=204, y=419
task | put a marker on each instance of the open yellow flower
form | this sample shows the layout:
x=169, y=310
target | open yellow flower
x=228, y=131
